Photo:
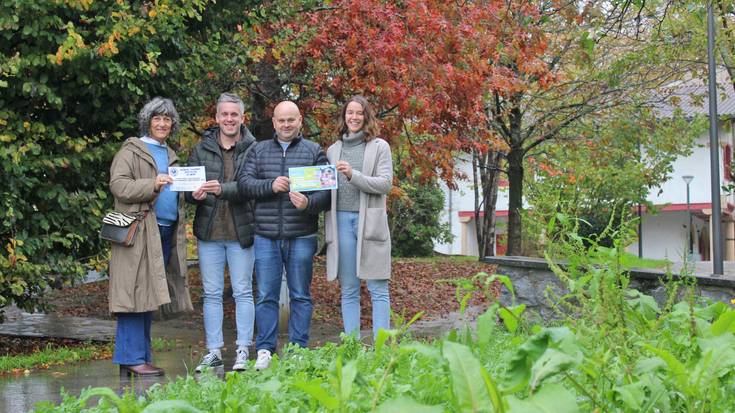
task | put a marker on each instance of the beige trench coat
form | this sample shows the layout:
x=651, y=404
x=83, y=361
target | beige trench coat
x=373, y=240
x=137, y=276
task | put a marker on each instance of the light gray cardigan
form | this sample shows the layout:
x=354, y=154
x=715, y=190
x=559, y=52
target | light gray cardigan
x=373, y=241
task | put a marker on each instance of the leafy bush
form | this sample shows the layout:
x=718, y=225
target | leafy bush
x=414, y=219
x=73, y=76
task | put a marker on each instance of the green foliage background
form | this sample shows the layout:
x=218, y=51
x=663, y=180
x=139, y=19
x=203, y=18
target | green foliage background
x=415, y=219
x=604, y=169
x=73, y=75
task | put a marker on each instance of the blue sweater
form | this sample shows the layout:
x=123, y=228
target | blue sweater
x=167, y=204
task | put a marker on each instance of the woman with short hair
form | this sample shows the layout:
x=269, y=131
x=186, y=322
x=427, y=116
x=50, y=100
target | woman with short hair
x=357, y=236
x=139, y=182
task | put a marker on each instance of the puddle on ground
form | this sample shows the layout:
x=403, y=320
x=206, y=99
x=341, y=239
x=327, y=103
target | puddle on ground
x=21, y=393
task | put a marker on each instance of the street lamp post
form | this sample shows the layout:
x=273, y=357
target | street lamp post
x=688, y=179
x=714, y=150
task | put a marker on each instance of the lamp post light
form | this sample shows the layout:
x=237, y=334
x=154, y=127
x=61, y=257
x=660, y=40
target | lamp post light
x=688, y=179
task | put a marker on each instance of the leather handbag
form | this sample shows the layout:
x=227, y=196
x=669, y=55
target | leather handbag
x=121, y=228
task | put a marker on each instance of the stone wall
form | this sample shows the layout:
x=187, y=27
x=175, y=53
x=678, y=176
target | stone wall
x=532, y=277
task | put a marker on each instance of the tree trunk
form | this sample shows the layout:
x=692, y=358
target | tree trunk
x=485, y=175
x=490, y=179
x=266, y=93
x=477, y=159
x=515, y=202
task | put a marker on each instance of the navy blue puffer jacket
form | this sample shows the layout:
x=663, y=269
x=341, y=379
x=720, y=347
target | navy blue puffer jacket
x=275, y=216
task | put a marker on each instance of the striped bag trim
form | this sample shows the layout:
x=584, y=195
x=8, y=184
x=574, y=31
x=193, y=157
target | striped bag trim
x=118, y=219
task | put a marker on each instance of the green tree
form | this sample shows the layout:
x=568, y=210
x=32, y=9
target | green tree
x=73, y=75
x=605, y=166
x=602, y=55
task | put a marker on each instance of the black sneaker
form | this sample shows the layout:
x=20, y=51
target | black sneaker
x=210, y=360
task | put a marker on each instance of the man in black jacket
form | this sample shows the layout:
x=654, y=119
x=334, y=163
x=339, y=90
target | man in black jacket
x=286, y=223
x=223, y=225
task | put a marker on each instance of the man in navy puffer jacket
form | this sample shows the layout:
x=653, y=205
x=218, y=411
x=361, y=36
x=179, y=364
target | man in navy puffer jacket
x=286, y=225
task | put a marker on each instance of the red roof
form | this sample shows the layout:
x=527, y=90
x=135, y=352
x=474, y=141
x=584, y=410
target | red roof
x=695, y=207
x=471, y=214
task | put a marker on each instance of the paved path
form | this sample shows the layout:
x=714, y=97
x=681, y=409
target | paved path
x=704, y=268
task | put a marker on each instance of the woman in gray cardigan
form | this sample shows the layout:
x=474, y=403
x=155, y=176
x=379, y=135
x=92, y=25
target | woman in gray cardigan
x=357, y=236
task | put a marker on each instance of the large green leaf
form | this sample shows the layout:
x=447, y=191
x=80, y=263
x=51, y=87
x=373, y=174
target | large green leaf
x=521, y=368
x=511, y=316
x=407, y=405
x=718, y=357
x=492, y=389
x=550, y=363
x=724, y=323
x=643, y=304
x=314, y=389
x=347, y=377
x=424, y=349
x=649, y=365
x=551, y=398
x=486, y=324
x=171, y=406
x=468, y=384
x=677, y=370
x=632, y=395
x=505, y=280
x=106, y=393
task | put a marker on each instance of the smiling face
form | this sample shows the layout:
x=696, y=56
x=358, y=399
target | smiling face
x=160, y=127
x=229, y=118
x=287, y=121
x=354, y=117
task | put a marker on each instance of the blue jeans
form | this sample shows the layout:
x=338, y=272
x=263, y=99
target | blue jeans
x=271, y=256
x=168, y=233
x=213, y=255
x=347, y=223
x=133, y=335
x=133, y=339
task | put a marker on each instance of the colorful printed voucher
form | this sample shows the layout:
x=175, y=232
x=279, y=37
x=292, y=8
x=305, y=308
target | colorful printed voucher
x=313, y=178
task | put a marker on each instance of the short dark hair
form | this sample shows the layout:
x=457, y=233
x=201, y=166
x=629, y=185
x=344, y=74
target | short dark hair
x=157, y=106
x=370, y=127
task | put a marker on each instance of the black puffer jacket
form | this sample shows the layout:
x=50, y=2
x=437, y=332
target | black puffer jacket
x=207, y=153
x=275, y=216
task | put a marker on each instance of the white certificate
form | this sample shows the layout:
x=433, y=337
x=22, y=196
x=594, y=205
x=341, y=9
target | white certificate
x=187, y=178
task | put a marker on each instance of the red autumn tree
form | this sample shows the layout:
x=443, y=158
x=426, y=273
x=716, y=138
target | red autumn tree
x=428, y=66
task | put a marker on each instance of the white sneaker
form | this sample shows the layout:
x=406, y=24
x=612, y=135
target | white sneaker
x=264, y=360
x=241, y=360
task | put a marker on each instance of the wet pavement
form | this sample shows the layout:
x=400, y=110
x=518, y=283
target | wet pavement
x=20, y=393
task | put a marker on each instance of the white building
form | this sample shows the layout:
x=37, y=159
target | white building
x=664, y=234
x=459, y=212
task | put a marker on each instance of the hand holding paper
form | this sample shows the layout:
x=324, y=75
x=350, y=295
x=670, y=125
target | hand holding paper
x=299, y=200
x=345, y=168
x=187, y=178
x=281, y=184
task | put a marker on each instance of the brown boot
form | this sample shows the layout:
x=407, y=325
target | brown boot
x=155, y=367
x=141, y=370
